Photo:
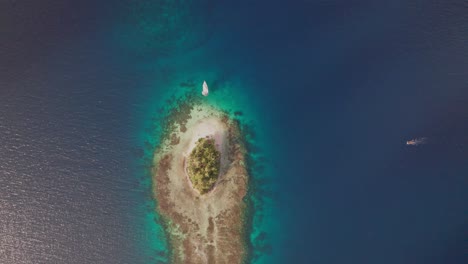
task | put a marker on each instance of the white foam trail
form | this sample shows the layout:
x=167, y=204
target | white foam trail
x=417, y=141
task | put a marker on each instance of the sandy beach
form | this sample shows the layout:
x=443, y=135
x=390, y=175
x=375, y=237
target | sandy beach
x=205, y=228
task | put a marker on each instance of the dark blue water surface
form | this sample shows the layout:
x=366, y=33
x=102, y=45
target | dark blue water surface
x=330, y=90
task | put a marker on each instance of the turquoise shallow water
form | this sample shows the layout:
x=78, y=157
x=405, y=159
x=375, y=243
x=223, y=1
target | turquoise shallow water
x=185, y=60
x=231, y=96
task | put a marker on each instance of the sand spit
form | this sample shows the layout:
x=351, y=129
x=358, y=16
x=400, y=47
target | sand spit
x=205, y=228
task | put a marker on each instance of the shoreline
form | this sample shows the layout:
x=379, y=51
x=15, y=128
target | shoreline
x=208, y=228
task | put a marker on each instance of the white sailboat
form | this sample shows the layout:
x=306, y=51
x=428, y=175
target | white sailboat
x=205, y=89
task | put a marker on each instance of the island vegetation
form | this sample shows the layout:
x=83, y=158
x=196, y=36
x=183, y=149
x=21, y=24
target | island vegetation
x=203, y=165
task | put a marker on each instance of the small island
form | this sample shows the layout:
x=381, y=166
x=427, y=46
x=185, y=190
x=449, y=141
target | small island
x=203, y=165
x=200, y=182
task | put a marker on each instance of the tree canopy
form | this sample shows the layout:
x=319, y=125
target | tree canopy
x=203, y=165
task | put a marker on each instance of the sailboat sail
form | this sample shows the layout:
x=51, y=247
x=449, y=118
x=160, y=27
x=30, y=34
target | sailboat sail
x=205, y=88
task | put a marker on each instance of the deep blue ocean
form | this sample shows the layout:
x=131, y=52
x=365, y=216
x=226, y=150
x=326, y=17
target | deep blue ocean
x=328, y=93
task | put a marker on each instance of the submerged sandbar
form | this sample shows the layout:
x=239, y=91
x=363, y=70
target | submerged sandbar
x=202, y=228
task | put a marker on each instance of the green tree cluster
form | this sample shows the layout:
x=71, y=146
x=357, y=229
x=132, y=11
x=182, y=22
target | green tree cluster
x=203, y=165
